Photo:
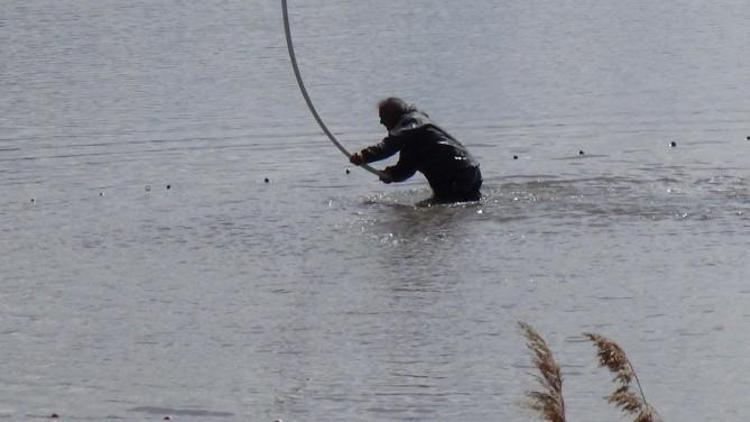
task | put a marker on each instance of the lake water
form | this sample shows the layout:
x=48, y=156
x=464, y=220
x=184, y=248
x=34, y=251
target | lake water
x=147, y=270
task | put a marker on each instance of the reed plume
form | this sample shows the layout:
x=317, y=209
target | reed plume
x=614, y=358
x=549, y=400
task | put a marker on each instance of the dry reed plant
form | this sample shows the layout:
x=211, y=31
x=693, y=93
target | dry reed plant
x=613, y=357
x=549, y=400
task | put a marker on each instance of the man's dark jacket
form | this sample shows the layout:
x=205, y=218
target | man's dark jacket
x=451, y=171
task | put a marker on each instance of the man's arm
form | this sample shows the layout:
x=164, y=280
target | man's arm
x=403, y=170
x=380, y=151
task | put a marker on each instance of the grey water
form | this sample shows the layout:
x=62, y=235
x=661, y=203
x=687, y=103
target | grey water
x=148, y=270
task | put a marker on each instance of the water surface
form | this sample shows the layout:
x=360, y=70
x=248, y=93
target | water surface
x=148, y=270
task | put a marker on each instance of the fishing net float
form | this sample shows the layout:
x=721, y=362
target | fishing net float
x=302, y=88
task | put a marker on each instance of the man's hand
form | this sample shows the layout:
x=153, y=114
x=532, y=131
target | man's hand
x=385, y=177
x=357, y=159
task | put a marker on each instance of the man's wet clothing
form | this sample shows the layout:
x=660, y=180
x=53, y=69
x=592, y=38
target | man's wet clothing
x=453, y=174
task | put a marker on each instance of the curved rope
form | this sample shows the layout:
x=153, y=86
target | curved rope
x=310, y=105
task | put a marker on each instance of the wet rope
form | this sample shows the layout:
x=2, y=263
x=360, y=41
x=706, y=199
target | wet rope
x=310, y=105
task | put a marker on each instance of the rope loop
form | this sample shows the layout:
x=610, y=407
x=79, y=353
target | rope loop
x=309, y=102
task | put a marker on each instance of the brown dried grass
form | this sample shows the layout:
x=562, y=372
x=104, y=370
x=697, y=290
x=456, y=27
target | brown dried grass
x=548, y=401
x=614, y=358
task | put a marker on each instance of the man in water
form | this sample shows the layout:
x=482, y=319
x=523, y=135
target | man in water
x=452, y=172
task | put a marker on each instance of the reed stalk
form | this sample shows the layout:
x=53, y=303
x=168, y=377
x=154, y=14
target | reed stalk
x=547, y=401
x=612, y=356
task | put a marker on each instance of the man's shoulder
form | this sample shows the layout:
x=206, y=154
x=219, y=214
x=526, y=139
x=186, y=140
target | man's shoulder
x=410, y=122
